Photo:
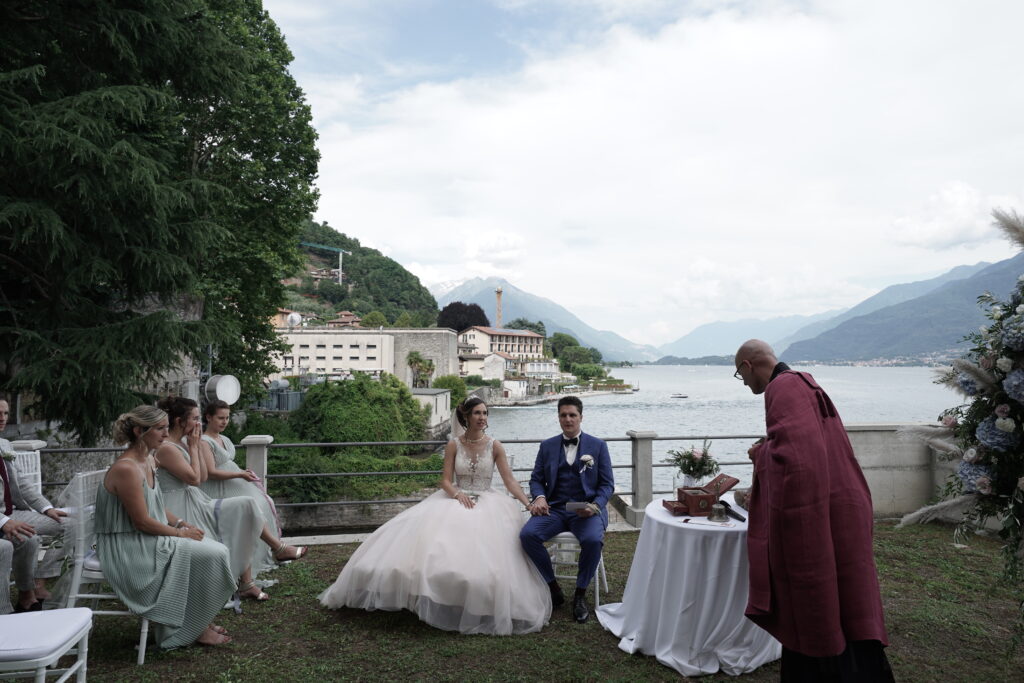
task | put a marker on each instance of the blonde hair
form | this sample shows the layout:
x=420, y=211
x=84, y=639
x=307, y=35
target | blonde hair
x=139, y=416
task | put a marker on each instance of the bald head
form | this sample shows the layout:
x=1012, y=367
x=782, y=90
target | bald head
x=755, y=362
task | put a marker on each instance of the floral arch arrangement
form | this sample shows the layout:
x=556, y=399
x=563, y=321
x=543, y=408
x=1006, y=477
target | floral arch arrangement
x=986, y=433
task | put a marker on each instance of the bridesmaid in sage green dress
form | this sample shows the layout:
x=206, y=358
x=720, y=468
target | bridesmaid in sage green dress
x=225, y=479
x=235, y=522
x=161, y=567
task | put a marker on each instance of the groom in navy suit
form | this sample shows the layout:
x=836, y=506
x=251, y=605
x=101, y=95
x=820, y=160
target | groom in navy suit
x=572, y=467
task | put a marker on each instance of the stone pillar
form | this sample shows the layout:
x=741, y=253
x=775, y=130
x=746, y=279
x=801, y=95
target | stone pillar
x=643, y=478
x=256, y=447
x=28, y=445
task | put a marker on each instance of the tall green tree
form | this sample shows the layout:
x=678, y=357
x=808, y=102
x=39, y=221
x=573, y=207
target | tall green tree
x=573, y=355
x=560, y=341
x=374, y=319
x=524, y=324
x=459, y=316
x=260, y=145
x=102, y=227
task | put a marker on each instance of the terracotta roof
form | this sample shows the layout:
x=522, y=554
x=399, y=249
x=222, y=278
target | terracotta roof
x=501, y=330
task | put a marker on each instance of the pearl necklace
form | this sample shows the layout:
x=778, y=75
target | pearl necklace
x=482, y=437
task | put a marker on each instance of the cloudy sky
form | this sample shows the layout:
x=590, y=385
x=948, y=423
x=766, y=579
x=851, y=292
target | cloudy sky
x=654, y=165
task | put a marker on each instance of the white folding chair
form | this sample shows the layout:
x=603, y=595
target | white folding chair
x=32, y=641
x=86, y=571
x=564, y=551
x=29, y=471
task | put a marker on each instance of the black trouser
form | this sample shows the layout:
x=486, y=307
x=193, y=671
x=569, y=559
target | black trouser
x=863, y=661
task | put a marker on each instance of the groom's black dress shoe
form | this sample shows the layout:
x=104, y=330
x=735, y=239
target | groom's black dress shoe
x=557, y=596
x=579, y=608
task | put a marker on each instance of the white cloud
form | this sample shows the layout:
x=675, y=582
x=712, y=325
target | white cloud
x=737, y=163
x=956, y=215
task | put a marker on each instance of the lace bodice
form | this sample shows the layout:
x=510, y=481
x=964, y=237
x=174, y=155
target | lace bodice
x=474, y=465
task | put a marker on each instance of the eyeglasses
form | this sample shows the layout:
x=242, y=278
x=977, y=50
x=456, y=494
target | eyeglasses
x=737, y=374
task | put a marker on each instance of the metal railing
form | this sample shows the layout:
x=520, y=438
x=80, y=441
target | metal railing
x=630, y=503
x=257, y=448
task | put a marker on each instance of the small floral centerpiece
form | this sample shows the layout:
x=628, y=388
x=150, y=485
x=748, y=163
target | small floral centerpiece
x=694, y=462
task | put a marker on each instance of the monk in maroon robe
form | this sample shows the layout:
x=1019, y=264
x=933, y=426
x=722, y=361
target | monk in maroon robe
x=813, y=583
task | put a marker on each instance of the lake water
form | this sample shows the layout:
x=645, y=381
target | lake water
x=718, y=404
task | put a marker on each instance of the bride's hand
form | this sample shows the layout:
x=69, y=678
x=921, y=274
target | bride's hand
x=465, y=500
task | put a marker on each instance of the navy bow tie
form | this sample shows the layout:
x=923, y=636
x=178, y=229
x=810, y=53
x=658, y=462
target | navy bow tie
x=574, y=441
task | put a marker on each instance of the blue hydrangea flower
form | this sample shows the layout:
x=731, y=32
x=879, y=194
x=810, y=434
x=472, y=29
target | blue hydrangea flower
x=967, y=384
x=970, y=473
x=995, y=438
x=1013, y=333
x=1013, y=385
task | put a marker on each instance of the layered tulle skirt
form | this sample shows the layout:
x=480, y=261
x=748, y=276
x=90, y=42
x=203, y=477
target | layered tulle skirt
x=458, y=569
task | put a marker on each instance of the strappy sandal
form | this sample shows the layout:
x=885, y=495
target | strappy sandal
x=300, y=552
x=243, y=592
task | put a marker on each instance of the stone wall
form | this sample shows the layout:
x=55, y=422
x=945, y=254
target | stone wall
x=439, y=345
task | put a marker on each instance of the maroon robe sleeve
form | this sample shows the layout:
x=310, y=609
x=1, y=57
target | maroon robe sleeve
x=813, y=583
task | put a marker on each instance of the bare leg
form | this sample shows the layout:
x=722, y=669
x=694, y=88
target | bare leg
x=41, y=592
x=247, y=588
x=280, y=551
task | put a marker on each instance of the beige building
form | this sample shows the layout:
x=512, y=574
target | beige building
x=322, y=351
x=519, y=344
x=338, y=351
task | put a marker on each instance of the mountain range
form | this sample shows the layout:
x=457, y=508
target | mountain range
x=933, y=324
x=912, y=321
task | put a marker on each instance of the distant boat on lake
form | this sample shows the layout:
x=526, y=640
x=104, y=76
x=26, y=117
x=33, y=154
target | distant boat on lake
x=679, y=396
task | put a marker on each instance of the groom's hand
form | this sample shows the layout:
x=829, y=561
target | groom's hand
x=539, y=506
x=588, y=511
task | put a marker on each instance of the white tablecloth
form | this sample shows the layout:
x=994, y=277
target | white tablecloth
x=685, y=597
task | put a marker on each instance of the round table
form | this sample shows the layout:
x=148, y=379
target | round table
x=685, y=596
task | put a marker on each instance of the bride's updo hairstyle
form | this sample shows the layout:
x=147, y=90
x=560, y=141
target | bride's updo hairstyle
x=465, y=409
x=177, y=408
x=140, y=416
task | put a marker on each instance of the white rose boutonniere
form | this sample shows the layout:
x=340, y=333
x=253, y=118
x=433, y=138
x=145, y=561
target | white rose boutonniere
x=9, y=456
x=587, y=461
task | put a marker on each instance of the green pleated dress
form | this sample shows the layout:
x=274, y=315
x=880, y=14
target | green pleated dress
x=224, y=458
x=177, y=583
x=235, y=522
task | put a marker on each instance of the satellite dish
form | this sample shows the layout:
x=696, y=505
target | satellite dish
x=294, y=319
x=279, y=385
x=223, y=387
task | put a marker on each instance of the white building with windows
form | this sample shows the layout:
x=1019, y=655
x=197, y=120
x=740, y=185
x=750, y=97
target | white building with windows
x=519, y=344
x=341, y=351
x=322, y=351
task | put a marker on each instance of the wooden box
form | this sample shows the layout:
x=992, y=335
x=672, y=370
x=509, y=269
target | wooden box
x=697, y=502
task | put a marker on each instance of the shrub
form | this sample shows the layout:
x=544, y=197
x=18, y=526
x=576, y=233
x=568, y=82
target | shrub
x=361, y=409
x=454, y=384
x=333, y=400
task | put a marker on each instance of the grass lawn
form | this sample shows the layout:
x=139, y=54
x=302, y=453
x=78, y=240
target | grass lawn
x=948, y=620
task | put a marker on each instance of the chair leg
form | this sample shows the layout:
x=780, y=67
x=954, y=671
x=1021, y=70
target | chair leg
x=143, y=638
x=83, y=657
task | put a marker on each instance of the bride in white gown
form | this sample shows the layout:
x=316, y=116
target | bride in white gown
x=454, y=559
